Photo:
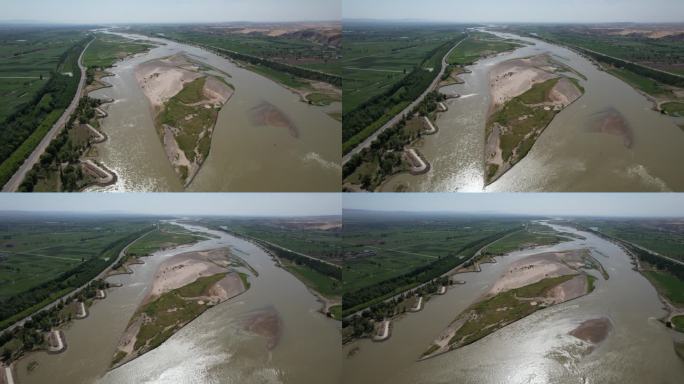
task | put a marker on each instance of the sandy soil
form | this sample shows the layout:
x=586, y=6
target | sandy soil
x=184, y=268
x=514, y=77
x=593, y=330
x=162, y=79
x=530, y=270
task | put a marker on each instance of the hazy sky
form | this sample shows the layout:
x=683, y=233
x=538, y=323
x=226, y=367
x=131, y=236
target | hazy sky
x=552, y=204
x=130, y=11
x=518, y=10
x=239, y=204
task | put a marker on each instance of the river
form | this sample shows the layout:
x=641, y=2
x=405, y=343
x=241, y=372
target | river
x=214, y=348
x=569, y=155
x=536, y=349
x=244, y=156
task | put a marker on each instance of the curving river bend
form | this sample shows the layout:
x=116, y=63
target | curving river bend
x=569, y=155
x=244, y=156
x=214, y=348
x=536, y=349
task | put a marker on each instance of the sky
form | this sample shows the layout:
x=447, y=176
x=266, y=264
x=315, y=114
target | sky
x=544, y=204
x=171, y=11
x=230, y=204
x=504, y=11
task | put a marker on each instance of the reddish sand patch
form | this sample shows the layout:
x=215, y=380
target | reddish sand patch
x=593, y=330
x=265, y=323
x=612, y=122
x=267, y=114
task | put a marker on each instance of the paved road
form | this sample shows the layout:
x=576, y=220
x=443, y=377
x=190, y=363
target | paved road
x=16, y=179
x=366, y=143
x=59, y=300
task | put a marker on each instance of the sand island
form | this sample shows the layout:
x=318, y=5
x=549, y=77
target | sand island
x=185, y=100
x=530, y=284
x=184, y=287
x=526, y=95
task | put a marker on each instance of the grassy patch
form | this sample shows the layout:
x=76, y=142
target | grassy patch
x=318, y=98
x=336, y=312
x=105, y=50
x=325, y=285
x=640, y=82
x=502, y=309
x=670, y=286
x=157, y=240
x=245, y=280
x=673, y=109
x=170, y=312
x=478, y=46
x=678, y=323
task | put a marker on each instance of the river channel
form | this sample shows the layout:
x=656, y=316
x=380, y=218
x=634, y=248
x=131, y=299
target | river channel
x=569, y=155
x=535, y=349
x=244, y=156
x=215, y=347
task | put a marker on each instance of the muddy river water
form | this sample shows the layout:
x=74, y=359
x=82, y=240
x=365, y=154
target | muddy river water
x=570, y=155
x=244, y=156
x=215, y=347
x=536, y=349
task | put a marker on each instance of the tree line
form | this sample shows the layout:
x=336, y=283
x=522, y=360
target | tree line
x=317, y=265
x=63, y=150
x=282, y=67
x=352, y=300
x=387, y=147
x=56, y=94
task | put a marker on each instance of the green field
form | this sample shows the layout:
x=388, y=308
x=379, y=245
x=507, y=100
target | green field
x=319, y=282
x=523, y=239
x=107, y=49
x=32, y=253
x=673, y=109
x=659, y=236
x=319, y=242
x=157, y=240
x=401, y=246
x=288, y=50
x=670, y=286
x=376, y=57
x=640, y=82
x=26, y=55
x=478, y=45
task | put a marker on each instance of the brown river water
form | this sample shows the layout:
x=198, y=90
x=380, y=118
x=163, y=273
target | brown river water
x=245, y=155
x=571, y=154
x=536, y=349
x=215, y=347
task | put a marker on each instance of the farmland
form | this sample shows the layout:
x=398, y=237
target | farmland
x=35, y=256
x=382, y=259
x=28, y=57
x=377, y=57
x=662, y=236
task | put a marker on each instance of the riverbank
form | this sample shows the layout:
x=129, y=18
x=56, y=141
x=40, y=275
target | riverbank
x=329, y=304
